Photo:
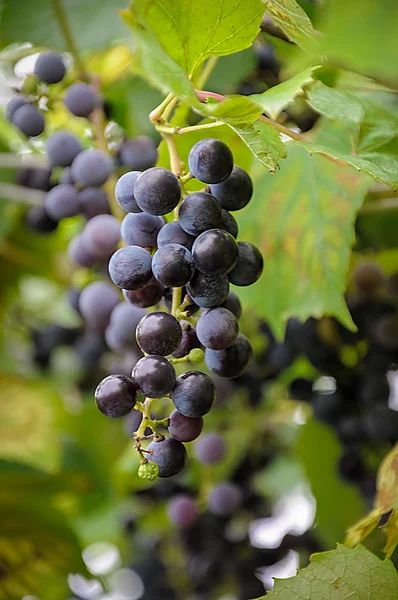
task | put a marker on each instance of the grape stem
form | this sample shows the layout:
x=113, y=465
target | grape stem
x=60, y=14
x=139, y=435
x=9, y=160
x=19, y=193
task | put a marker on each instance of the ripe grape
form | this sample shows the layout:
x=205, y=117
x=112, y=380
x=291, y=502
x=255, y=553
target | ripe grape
x=138, y=154
x=234, y=192
x=182, y=511
x=79, y=254
x=233, y=304
x=130, y=268
x=210, y=449
x=217, y=328
x=249, y=266
x=301, y=389
x=116, y=396
x=13, y=104
x=141, y=229
x=208, y=290
x=194, y=394
x=169, y=454
x=215, y=251
x=150, y=295
x=198, y=212
x=228, y=223
x=173, y=265
x=92, y=168
x=121, y=331
x=173, y=233
x=62, y=202
x=81, y=99
x=210, y=160
x=154, y=376
x=225, y=499
x=159, y=333
x=29, y=120
x=62, y=147
x=96, y=304
x=101, y=236
x=184, y=429
x=368, y=277
x=157, y=191
x=66, y=176
x=50, y=67
x=124, y=192
x=37, y=178
x=38, y=219
x=189, y=340
x=231, y=362
x=93, y=201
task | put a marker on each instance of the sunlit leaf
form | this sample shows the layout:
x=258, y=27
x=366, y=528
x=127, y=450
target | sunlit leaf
x=293, y=21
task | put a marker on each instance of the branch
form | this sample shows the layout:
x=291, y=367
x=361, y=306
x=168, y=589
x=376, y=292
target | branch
x=19, y=193
x=9, y=160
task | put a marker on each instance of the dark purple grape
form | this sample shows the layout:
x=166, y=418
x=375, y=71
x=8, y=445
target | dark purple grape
x=234, y=192
x=208, y=290
x=132, y=422
x=173, y=265
x=66, y=176
x=351, y=429
x=81, y=99
x=210, y=161
x=169, y=454
x=231, y=362
x=157, y=191
x=249, y=266
x=124, y=192
x=182, y=511
x=116, y=396
x=217, y=328
x=62, y=147
x=130, y=268
x=184, y=429
x=215, y=251
x=37, y=178
x=233, y=304
x=172, y=233
x=328, y=406
x=38, y=219
x=150, y=295
x=194, y=394
x=50, y=67
x=141, y=229
x=101, y=236
x=158, y=333
x=138, y=154
x=188, y=342
x=199, y=212
x=79, y=254
x=91, y=168
x=29, y=120
x=96, y=303
x=225, y=499
x=228, y=223
x=210, y=449
x=368, y=277
x=62, y=202
x=301, y=389
x=13, y=104
x=154, y=376
x=93, y=201
x=121, y=331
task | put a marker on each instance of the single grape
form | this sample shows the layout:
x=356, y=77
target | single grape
x=199, y=212
x=66, y=176
x=328, y=407
x=159, y=333
x=62, y=147
x=93, y=201
x=249, y=266
x=208, y=290
x=38, y=219
x=81, y=99
x=62, y=202
x=116, y=396
x=351, y=429
x=101, y=236
x=173, y=265
x=169, y=454
x=210, y=449
x=368, y=277
x=233, y=304
x=228, y=223
x=194, y=394
x=225, y=499
x=215, y=251
x=231, y=362
x=138, y=154
x=141, y=229
x=79, y=254
x=157, y=191
x=29, y=120
x=184, y=429
x=50, y=67
x=217, y=328
x=124, y=192
x=172, y=233
x=150, y=295
x=301, y=389
x=210, y=160
x=182, y=511
x=121, y=332
x=37, y=178
x=234, y=192
x=13, y=104
x=91, y=168
x=189, y=340
x=96, y=304
x=132, y=422
x=154, y=376
x=130, y=268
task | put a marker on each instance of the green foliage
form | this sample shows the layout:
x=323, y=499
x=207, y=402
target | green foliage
x=293, y=21
x=341, y=574
x=264, y=142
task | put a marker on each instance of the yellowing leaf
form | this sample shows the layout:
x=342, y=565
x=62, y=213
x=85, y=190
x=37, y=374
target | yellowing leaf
x=293, y=21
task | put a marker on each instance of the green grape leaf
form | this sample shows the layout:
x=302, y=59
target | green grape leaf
x=302, y=218
x=341, y=574
x=189, y=31
x=278, y=97
x=37, y=23
x=293, y=21
x=235, y=110
x=264, y=142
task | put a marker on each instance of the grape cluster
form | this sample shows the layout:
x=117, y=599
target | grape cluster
x=198, y=257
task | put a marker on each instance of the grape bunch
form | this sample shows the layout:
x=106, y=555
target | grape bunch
x=188, y=263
